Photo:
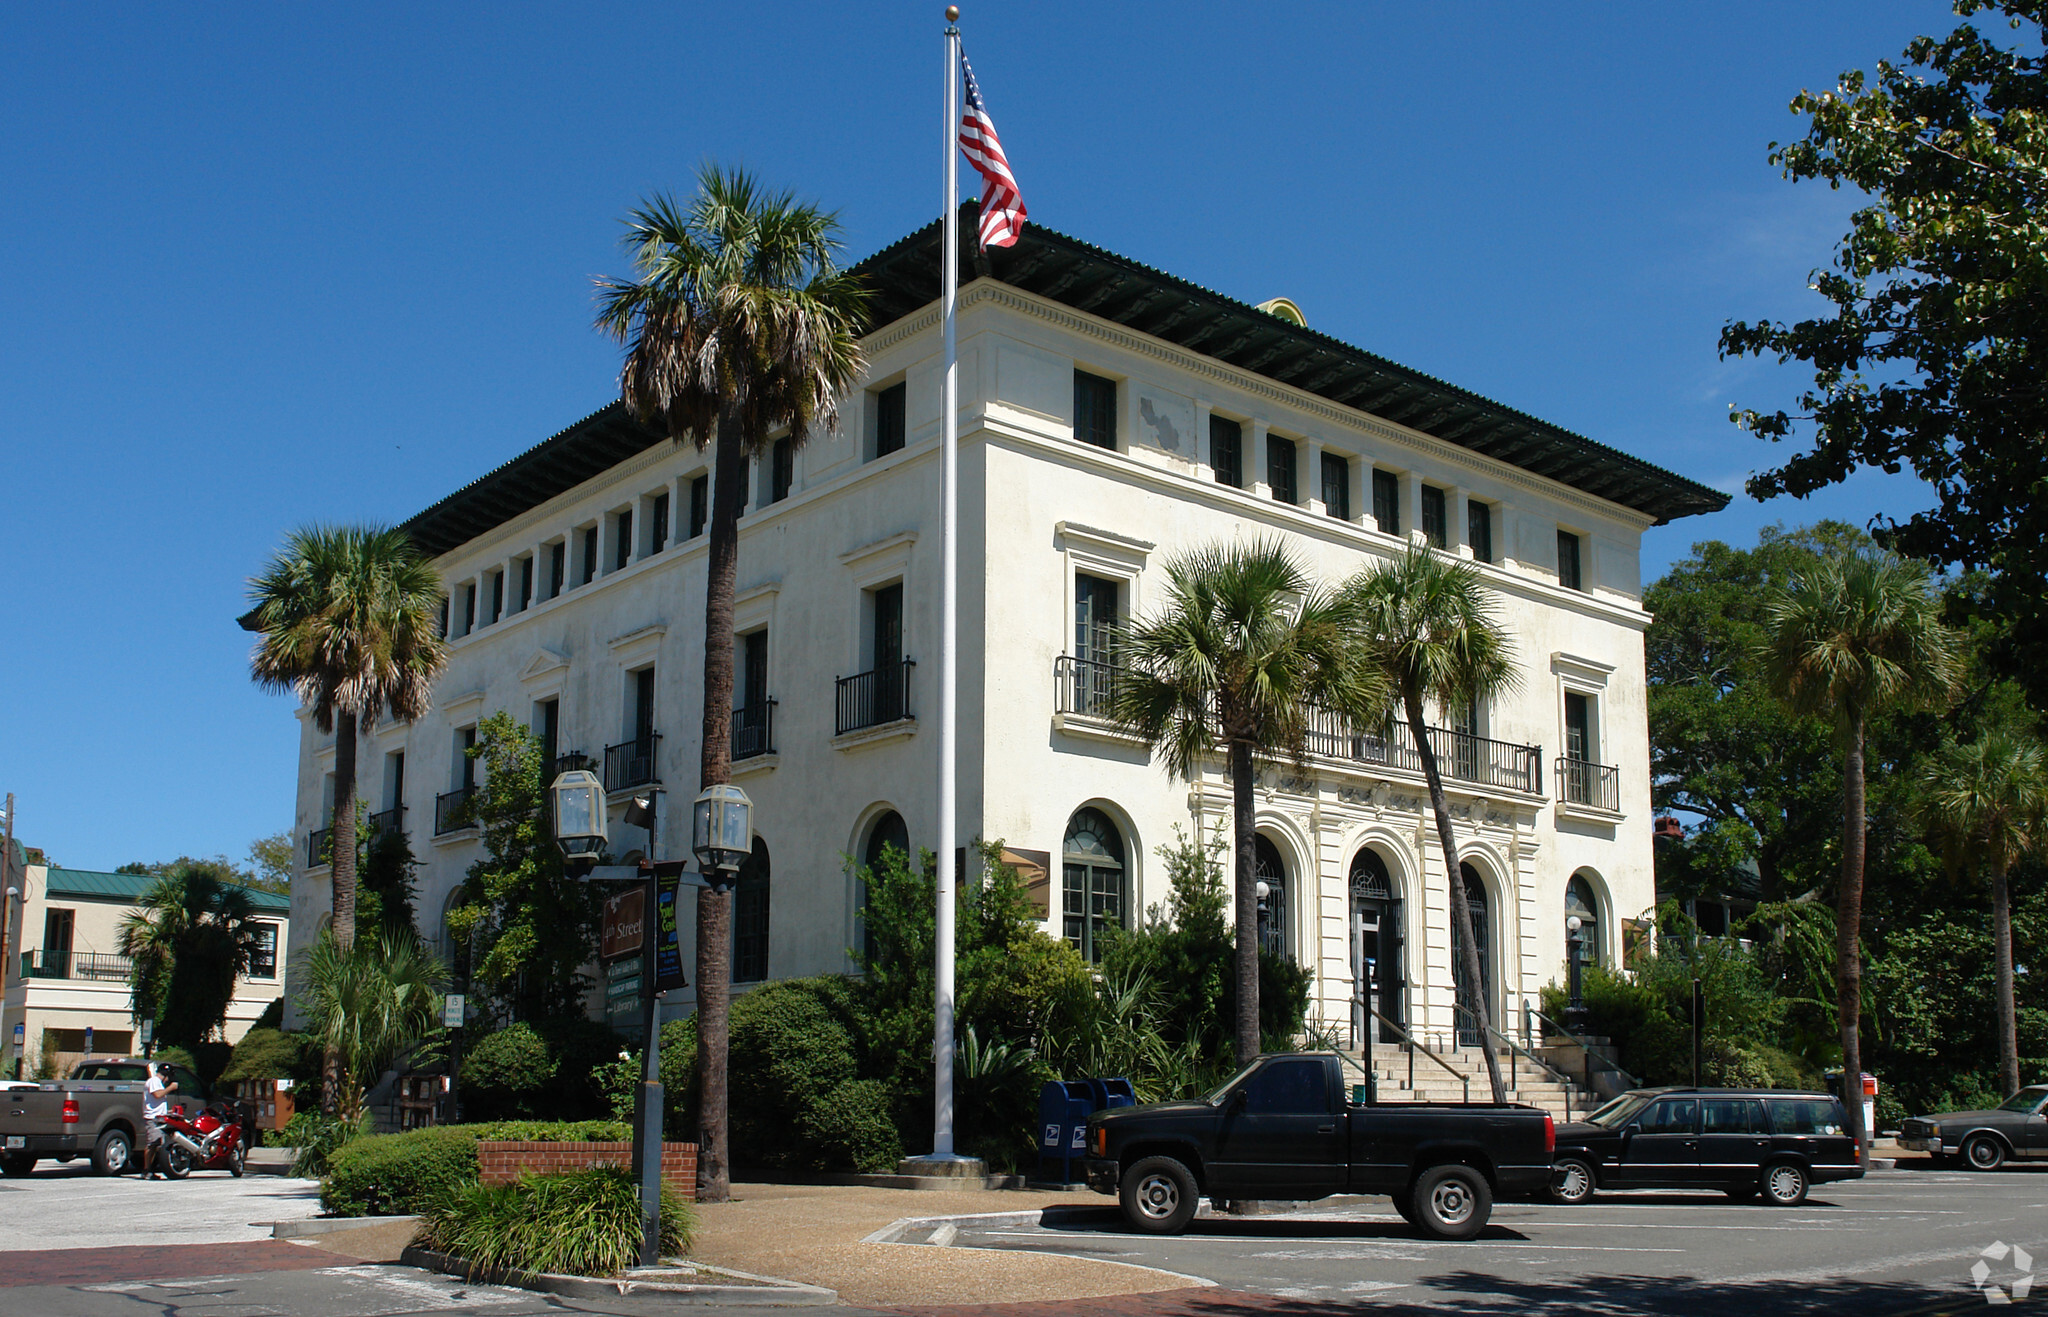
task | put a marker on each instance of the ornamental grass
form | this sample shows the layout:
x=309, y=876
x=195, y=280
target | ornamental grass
x=583, y=1223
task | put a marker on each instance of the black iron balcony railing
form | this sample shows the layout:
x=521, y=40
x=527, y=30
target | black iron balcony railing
x=94, y=965
x=453, y=810
x=869, y=699
x=390, y=820
x=553, y=768
x=1460, y=756
x=1082, y=686
x=317, y=842
x=753, y=730
x=1581, y=782
x=631, y=763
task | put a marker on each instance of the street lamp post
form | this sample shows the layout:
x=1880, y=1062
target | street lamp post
x=1575, y=975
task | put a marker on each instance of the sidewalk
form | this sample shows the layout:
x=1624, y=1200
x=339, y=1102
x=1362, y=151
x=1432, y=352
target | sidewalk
x=815, y=1234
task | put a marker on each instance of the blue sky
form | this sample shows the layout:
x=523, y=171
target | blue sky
x=268, y=265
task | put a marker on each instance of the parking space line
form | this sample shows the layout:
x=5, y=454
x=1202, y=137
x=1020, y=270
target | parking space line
x=1392, y=1243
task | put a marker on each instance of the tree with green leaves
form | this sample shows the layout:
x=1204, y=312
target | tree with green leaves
x=1988, y=800
x=272, y=862
x=348, y=618
x=1932, y=352
x=1856, y=634
x=1239, y=658
x=527, y=926
x=187, y=942
x=738, y=324
x=1428, y=632
x=368, y=1003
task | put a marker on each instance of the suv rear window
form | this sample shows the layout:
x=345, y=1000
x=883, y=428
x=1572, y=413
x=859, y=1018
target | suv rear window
x=1805, y=1116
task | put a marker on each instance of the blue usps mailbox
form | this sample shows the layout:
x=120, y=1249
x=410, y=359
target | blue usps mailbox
x=1063, y=1107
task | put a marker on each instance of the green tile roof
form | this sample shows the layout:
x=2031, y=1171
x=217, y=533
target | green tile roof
x=128, y=888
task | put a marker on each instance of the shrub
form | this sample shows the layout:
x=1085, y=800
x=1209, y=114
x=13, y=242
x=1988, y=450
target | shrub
x=584, y=1223
x=792, y=1046
x=409, y=1169
x=852, y=1126
x=264, y=1054
x=535, y=1070
x=318, y=1138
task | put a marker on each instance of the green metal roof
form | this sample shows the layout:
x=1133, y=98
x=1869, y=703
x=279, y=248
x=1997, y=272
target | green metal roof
x=129, y=889
x=904, y=279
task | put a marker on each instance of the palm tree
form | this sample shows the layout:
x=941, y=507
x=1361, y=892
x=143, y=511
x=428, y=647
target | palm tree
x=738, y=324
x=349, y=618
x=187, y=943
x=367, y=1003
x=1244, y=651
x=1990, y=798
x=1857, y=633
x=1429, y=631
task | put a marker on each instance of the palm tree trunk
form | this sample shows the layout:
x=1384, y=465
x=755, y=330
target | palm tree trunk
x=1242, y=824
x=1461, y=909
x=1848, y=926
x=341, y=871
x=714, y=908
x=2001, y=957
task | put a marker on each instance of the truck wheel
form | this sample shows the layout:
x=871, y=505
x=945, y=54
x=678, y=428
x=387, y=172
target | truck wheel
x=1159, y=1196
x=1573, y=1183
x=1783, y=1184
x=17, y=1163
x=1452, y=1202
x=1984, y=1153
x=113, y=1154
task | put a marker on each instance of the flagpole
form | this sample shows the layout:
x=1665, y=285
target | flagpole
x=949, y=602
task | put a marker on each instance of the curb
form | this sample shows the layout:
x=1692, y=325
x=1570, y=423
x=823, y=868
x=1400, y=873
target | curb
x=310, y=1226
x=772, y=1293
x=894, y=1232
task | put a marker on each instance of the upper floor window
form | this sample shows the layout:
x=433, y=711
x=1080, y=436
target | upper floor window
x=890, y=418
x=1436, y=523
x=1386, y=501
x=1479, y=530
x=558, y=567
x=1280, y=467
x=1095, y=617
x=781, y=469
x=657, y=523
x=1337, y=485
x=622, y=540
x=525, y=595
x=497, y=595
x=1226, y=451
x=1094, y=410
x=1568, y=571
x=750, y=918
x=263, y=956
x=700, y=505
x=547, y=724
x=441, y=619
x=469, y=608
x=589, y=554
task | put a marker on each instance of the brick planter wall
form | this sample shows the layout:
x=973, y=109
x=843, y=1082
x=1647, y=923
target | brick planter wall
x=502, y=1163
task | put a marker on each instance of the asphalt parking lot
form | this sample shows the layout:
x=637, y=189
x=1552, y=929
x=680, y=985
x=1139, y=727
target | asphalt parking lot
x=66, y=1205
x=1896, y=1241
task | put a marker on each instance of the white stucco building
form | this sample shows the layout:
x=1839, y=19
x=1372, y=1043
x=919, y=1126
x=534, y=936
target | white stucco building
x=1110, y=416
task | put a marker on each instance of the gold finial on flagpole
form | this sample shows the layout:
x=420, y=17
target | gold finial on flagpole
x=952, y=13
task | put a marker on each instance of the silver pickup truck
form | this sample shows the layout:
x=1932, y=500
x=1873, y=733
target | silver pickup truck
x=96, y=1113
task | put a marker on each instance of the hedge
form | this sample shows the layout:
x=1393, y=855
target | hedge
x=409, y=1170
x=584, y=1223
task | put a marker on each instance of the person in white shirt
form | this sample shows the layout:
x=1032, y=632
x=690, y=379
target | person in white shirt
x=155, y=1106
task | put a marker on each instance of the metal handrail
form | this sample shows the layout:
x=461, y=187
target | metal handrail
x=1083, y=686
x=1584, y=782
x=1414, y=1047
x=1555, y=1028
x=1519, y=1053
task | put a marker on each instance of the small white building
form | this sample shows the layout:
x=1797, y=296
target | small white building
x=1110, y=416
x=67, y=982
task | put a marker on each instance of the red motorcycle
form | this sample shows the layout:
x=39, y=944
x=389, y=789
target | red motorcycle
x=214, y=1140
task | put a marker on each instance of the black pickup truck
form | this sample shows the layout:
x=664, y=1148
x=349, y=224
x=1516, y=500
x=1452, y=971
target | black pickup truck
x=1286, y=1127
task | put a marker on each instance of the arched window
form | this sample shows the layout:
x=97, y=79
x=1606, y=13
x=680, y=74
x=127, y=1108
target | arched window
x=750, y=918
x=1272, y=872
x=1475, y=899
x=1095, y=883
x=887, y=833
x=1376, y=944
x=1581, y=900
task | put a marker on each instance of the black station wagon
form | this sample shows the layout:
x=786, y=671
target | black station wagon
x=1742, y=1141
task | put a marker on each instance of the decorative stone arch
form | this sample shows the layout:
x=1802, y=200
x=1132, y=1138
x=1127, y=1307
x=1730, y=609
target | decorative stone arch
x=1297, y=853
x=863, y=837
x=1600, y=949
x=1385, y=927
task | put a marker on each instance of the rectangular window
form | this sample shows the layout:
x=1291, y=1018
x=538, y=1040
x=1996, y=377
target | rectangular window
x=700, y=505
x=890, y=417
x=1386, y=501
x=1578, y=727
x=643, y=708
x=441, y=619
x=622, y=540
x=888, y=642
x=1436, y=523
x=263, y=956
x=750, y=924
x=525, y=584
x=754, y=670
x=1479, y=530
x=1337, y=485
x=465, y=770
x=657, y=524
x=1280, y=467
x=497, y=595
x=57, y=927
x=1568, y=574
x=1095, y=617
x=394, y=780
x=547, y=723
x=558, y=568
x=1226, y=451
x=781, y=470
x=589, y=554
x=1094, y=410
x=469, y=608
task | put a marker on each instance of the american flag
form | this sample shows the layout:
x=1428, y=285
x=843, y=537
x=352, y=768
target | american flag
x=1002, y=207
